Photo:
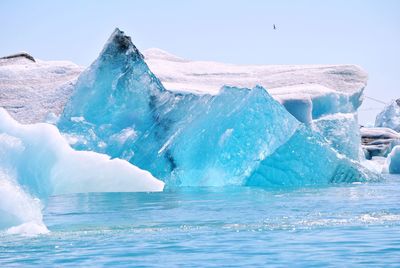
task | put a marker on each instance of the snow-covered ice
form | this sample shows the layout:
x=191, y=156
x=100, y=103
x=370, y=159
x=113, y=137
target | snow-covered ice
x=30, y=90
x=308, y=91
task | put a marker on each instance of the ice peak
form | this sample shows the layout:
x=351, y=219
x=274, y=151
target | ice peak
x=120, y=43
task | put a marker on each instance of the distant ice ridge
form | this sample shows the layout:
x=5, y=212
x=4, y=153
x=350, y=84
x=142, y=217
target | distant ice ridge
x=390, y=116
x=234, y=136
x=31, y=90
x=36, y=162
x=307, y=91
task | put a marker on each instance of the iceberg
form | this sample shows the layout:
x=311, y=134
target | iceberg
x=306, y=159
x=307, y=91
x=37, y=162
x=120, y=108
x=390, y=116
x=342, y=132
x=34, y=91
x=379, y=141
x=393, y=161
x=44, y=163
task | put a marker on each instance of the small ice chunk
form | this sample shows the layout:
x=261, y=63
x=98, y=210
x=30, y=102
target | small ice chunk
x=393, y=161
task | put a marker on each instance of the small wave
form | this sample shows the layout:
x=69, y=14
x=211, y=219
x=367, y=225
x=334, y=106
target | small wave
x=28, y=229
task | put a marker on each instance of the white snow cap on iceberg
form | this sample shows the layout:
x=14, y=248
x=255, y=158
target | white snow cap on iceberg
x=208, y=77
x=306, y=90
x=31, y=90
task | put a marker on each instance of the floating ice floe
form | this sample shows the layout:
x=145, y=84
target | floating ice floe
x=37, y=162
x=227, y=138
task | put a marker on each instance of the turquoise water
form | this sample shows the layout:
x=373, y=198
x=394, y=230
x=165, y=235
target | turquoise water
x=342, y=225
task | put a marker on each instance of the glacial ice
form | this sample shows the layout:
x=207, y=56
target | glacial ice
x=342, y=132
x=119, y=107
x=306, y=159
x=31, y=91
x=390, y=116
x=44, y=163
x=307, y=91
x=393, y=161
x=195, y=132
x=379, y=141
x=36, y=162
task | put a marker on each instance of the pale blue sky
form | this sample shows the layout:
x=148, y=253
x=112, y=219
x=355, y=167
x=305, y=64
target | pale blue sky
x=361, y=32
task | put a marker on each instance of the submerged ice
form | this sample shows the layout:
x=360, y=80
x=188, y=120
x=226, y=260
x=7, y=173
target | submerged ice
x=236, y=137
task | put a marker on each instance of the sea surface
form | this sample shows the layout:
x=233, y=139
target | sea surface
x=338, y=226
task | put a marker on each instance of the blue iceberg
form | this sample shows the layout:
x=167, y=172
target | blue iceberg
x=392, y=164
x=342, y=132
x=390, y=116
x=307, y=159
x=237, y=137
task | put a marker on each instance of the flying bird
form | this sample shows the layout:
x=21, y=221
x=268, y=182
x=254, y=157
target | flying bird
x=274, y=26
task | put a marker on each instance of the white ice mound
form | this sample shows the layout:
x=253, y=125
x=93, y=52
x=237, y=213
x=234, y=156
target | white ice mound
x=35, y=160
x=306, y=91
x=393, y=161
x=44, y=162
x=390, y=116
x=29, y=89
